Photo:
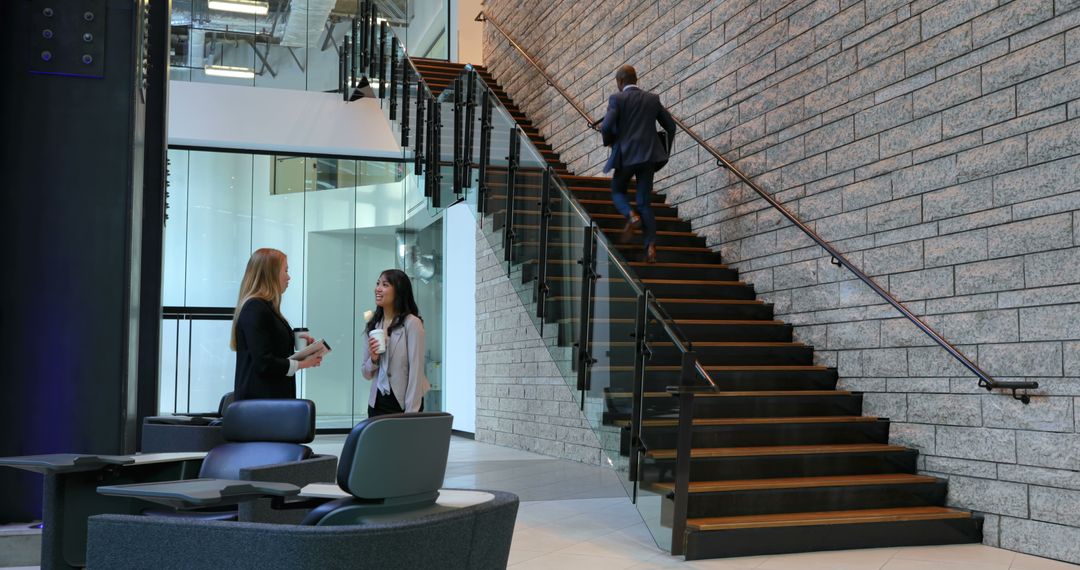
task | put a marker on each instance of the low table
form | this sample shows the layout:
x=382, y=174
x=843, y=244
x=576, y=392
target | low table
x=70, y=493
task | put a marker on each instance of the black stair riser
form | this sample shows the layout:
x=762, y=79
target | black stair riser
x=497, y=199
x=759, y=435
x=658, y=381
x=708, y=356
x=573, y=235
x=703, y=333
x=530, y=186
x=743, y=406
x=775, y=501
x=776, y=466
x=532, y=218
x=620, y=288
x=528, y=175
x=558, y=267
x=677, y=311
x=783, y=540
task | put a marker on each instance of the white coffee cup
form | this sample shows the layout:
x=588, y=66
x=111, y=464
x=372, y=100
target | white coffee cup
x=380, y=337
x=299, y=341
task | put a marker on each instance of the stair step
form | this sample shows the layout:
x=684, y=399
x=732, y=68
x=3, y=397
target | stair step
x=789, y=495
x=743, y=404
x=717, y=340
x=830, y=530
x=722, y=452
x=663, y=433
x=722, y=309
x=666, y=352
x=799, y=482
x=826, y=518
x=843, y=459
x=703, y=422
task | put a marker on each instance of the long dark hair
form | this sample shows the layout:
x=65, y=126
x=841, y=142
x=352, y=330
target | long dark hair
x=404, y=303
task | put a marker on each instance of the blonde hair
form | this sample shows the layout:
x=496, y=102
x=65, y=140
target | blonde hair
x=262, y=280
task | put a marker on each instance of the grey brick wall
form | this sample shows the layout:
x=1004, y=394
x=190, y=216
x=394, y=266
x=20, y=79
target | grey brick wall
x=522, y=397
x=936, y=143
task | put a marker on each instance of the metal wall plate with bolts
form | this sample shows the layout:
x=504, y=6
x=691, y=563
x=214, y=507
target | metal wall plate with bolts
x=67, y=37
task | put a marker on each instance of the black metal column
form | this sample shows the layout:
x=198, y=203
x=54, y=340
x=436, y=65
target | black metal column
x=470, y=122
x=75, y=158
x=393, y=79
x=406, y=81
x=511, y=175
x=485, y=153
x=459, y=139
x=584, y=358
x=542, y=288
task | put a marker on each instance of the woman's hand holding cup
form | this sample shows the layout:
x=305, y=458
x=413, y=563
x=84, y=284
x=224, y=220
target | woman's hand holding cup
x=376, y=343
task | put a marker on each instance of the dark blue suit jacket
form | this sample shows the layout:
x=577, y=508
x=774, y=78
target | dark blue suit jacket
x=629, y=128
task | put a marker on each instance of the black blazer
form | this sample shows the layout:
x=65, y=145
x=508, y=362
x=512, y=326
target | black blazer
x=264, y=342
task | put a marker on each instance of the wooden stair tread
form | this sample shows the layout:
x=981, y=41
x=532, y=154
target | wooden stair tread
x=800, y=482
x=660, y=281
x=711, y=368
x=742, y=394
x=691, y=281
x=665, y=300
x=668, y=264
x=607, y=230
x=704, y=422
x=701, y=344
x=901, y=514
x=683, y=248
x=697, y=322
x=702, y=452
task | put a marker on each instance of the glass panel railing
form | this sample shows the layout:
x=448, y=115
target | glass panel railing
x=573, y=281
x=523, y=224
x=563, y=277
x=657, y=424
x=613, y=346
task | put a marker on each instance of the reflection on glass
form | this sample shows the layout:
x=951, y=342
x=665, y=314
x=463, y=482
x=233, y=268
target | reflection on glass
x=295, y=44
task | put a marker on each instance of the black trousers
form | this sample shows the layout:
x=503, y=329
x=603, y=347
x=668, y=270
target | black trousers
x=387, y=404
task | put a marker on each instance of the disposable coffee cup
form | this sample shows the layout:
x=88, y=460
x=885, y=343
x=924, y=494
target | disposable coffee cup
x=380, y=337
x=299, y=341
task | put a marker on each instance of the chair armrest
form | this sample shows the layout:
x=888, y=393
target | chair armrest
x=318, y=469
x=200, y=492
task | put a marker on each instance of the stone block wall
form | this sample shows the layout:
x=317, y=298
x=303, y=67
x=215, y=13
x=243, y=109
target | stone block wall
x=935, y=142
x=522, y=398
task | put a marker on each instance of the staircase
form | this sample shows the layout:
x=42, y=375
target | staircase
x=782, y=460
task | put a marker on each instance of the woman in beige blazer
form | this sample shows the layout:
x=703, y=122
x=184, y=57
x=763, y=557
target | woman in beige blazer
x=397, y=375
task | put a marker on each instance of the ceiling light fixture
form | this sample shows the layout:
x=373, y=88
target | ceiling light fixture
x=230, y=71
x=240, y=6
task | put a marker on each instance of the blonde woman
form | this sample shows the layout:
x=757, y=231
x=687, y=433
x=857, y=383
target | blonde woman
x=261, y=336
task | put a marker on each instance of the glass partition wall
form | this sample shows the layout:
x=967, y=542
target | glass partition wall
x=341, y=222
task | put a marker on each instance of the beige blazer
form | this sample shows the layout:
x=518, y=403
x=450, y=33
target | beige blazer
x=405, y=349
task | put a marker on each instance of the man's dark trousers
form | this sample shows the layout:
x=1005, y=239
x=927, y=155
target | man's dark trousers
x=620, y=182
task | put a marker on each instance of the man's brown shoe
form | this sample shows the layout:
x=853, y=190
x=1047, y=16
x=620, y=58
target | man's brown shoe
x=628, y=231
x=650, y=254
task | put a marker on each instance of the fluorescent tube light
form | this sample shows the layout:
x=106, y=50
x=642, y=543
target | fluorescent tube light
x=229, y=71
x=240, y=6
